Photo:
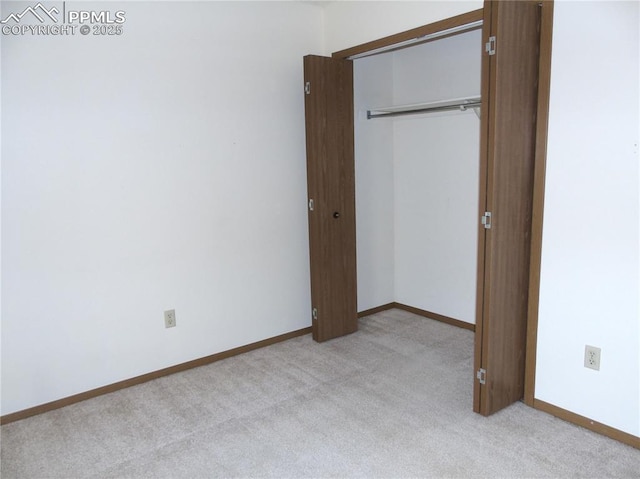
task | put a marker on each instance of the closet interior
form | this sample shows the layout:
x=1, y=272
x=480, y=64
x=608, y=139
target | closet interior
x=417, y=163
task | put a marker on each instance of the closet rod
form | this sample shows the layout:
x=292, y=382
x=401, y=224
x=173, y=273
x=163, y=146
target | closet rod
x=417, y=109
x=467, y=27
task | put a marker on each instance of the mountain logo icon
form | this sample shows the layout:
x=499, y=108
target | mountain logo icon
x=38, y=11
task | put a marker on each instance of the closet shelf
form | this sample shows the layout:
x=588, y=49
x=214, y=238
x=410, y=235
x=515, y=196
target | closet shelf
x=461, y=104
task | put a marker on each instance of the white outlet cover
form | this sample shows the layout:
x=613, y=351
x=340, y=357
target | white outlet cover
x=170, y=318
x=592, y=357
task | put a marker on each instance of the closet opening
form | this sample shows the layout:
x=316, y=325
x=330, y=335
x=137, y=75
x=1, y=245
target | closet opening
x=417, y=163
x=462, y=239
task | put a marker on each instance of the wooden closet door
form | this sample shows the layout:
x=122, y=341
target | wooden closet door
x=509, y=99
x=331, y=191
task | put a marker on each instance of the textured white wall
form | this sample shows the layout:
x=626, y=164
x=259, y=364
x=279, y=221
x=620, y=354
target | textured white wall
x=164, y=168
x=589, y=282
x=436, y=164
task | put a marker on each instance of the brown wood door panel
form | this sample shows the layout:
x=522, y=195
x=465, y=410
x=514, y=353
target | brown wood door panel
x=509, y=93
x=331, y=186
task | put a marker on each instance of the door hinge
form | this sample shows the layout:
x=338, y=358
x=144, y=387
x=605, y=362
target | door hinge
x=482, y=376
x=314, y=313
x=307, y=88
x=311, y=204
x=486, y=220
x=490, y=46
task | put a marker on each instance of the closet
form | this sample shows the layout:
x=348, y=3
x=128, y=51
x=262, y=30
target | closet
x=417, y=131
x=444, y=199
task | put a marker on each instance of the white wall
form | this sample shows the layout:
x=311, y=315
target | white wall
x=436, y=164
x=164, y=168
x=589, y=284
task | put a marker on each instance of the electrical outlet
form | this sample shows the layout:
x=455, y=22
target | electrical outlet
x=170, y=318
x=592, y=357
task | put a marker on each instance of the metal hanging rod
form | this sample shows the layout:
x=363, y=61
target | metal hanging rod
x=419, y=40
x=449, y=105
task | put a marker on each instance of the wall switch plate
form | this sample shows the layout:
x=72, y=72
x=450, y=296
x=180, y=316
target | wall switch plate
x=592, y=357
x=170, y=318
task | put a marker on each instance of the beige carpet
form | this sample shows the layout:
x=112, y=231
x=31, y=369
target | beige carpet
x=393, y=400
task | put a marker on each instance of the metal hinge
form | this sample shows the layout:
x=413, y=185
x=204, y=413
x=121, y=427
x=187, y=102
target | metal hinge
x=490, y=46
x=307, y=88
x=314, y=313
x=311, y=204
x=485, y=219
x=482, y=376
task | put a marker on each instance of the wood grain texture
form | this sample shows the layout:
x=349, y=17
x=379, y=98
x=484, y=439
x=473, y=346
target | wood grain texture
x=587, y=423
x=331, y=184
x=513, y=78
x=439, y=26
x=544, y=89
x=76, y=398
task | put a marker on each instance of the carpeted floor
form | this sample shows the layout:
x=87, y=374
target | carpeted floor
x=393, y=400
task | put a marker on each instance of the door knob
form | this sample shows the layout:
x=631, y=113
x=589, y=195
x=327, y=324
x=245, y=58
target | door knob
x=336, y=214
